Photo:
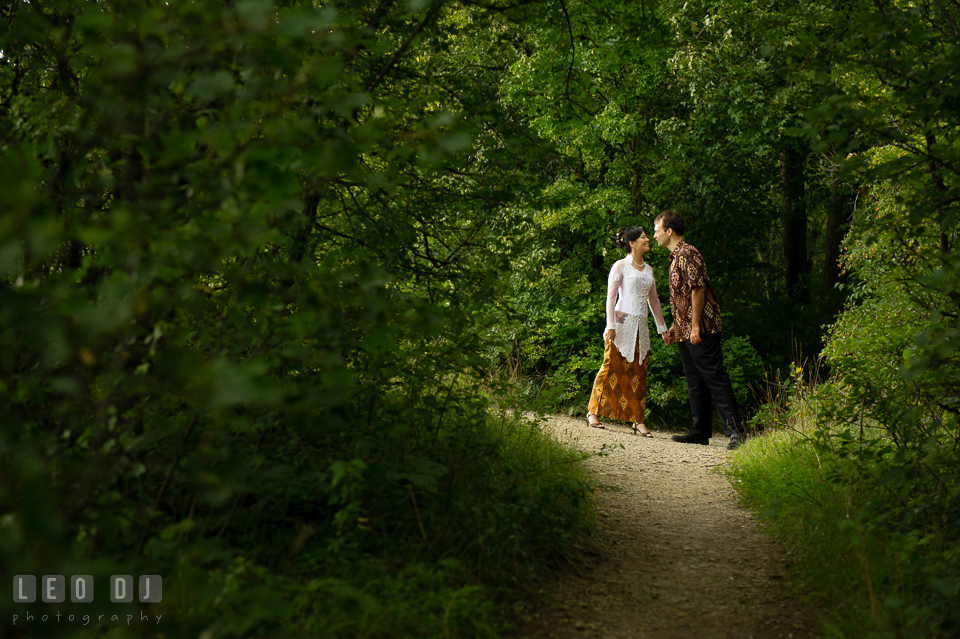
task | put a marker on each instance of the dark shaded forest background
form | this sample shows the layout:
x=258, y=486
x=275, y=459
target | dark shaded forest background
x=278, y=278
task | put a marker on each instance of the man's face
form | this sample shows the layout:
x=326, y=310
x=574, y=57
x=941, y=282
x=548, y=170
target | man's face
x=662, y=237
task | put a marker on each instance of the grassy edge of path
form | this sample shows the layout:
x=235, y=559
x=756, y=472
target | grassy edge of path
x=871, y=569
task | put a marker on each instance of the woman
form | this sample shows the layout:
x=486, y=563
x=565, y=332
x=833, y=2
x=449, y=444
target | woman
x=620, y=389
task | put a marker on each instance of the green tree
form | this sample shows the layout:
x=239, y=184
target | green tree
x=246, y=255
x=679, y=105
x=889, y=124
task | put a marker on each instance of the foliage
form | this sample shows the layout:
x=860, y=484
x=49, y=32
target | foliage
x=879, y=554
x=259, y=260
x=869, y=489
x=667, y=401
x=874, y=461
x=744, y=366
x=245, y=263
x=685, y=105
x=895, y=435
x=890, y=69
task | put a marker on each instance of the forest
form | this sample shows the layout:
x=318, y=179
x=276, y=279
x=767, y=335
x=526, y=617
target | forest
x=284, y=285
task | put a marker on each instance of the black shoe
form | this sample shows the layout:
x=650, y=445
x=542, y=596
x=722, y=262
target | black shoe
x=691, y=439
x=735, y=441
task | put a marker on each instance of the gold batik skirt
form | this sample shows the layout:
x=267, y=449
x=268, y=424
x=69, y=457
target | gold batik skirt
x=620, y=389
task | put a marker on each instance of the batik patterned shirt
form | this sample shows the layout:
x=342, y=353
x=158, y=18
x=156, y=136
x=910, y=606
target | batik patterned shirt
x=688, y=271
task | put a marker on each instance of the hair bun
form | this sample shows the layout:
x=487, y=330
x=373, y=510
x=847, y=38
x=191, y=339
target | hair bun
x=627, y=235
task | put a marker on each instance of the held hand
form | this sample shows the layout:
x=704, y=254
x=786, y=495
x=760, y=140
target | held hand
x=695, y=334
x=668, y=337
x=610, y=335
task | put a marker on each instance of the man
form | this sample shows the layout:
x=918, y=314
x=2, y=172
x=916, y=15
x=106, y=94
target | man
x=696, y=330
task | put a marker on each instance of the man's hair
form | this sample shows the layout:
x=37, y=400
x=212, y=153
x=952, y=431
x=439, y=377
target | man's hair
x=670, y=219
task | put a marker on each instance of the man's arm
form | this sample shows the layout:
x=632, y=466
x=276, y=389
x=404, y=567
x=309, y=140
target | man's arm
x=696, y=297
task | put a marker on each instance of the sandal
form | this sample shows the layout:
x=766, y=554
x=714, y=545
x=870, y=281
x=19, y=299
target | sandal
x=636, y=430
x=596, y=424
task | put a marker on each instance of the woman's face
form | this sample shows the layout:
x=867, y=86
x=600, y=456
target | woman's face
x=641, y=244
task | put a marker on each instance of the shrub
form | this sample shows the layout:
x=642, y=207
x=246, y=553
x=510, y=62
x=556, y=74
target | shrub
x=244, y=309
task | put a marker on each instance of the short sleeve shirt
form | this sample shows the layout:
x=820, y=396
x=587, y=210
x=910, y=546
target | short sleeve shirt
x=688, y=271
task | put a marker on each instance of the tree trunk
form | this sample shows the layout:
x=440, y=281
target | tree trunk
x=795, y=223
x=941, y=188
x=637, y=195
x=301, y=239
x=636, y=191
x=841, y=213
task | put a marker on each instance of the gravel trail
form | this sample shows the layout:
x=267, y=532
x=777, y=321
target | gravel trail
x=674, y=556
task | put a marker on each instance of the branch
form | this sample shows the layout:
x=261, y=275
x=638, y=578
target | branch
x=949, y=409
x=166, y=481
x=902, y=143
x=403, y=47
x=949, y=18
x=573, y=58
x=339, y=234
x=236, y=503
x=493, y=7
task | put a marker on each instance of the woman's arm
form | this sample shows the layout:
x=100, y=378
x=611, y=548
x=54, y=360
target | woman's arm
x=654, y=301
x=614, y=280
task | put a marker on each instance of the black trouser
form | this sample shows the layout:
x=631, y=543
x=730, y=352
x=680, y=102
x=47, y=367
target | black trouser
x=707, y=379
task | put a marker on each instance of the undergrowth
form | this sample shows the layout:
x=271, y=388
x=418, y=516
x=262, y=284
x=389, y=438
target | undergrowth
x=873, y=518
x=435, y=554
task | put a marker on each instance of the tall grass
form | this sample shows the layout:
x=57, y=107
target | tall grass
x=442, y=560
x=505, y=511
x=871, y=556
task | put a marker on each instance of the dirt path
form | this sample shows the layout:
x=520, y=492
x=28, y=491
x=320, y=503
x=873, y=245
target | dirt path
x=674, y=557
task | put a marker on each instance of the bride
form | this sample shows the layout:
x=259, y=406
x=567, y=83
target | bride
x=620, y=388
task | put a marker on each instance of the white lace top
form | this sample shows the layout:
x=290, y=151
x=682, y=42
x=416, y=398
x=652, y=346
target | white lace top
x=629, y=292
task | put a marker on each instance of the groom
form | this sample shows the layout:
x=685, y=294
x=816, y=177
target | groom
x=696, y=331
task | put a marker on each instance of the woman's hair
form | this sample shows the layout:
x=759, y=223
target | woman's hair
x=625, y=236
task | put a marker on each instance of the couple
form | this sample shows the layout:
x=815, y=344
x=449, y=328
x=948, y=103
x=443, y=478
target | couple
x=620, y=388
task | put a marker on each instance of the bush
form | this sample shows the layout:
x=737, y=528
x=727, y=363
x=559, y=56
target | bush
x=864, y=481
x=244, y=312
x=745, y=368
x=880, y=555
